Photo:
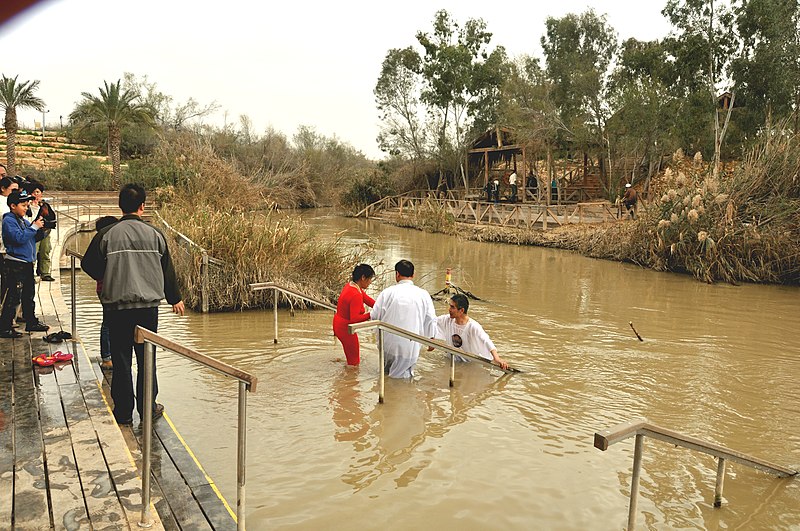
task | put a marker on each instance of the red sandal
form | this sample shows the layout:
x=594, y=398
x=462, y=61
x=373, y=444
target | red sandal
x=61, y=356
x=43, y=360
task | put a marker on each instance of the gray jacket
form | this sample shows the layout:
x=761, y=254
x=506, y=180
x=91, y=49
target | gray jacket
x=132, y=260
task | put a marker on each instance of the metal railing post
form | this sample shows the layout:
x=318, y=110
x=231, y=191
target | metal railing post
x=452, y=370
x=241, y=456
x=381, y=370
x=275, y=313
x=637, y=469
x=147, y=431
x=720, y=482
x=73, y=296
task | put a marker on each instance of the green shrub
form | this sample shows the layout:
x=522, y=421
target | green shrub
x=77, y=173
x=366, y=190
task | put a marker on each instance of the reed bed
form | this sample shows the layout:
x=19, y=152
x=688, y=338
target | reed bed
x=248, y=238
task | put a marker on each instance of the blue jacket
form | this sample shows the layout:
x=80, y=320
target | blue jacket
x=19, y=237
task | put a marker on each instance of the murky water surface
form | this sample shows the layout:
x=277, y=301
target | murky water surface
x=718, y=362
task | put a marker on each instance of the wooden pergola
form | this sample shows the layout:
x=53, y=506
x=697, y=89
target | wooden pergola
x=498, y=145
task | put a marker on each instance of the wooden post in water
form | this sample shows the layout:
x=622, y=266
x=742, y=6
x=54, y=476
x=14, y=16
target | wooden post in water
x=720, y=482
x=204, y=283
x=275, y=313
x=637, y=469
x=452, y=370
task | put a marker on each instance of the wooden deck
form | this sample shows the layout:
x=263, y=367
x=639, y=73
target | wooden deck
x=64, y=462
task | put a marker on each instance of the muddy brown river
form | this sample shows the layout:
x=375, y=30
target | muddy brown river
x=718, y=362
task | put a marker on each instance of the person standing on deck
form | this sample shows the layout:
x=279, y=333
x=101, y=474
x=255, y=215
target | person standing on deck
x=512, y=181
x=458, y=330
x=630, y=199
x=132, y=260
x=6, y=187
x=409, y=307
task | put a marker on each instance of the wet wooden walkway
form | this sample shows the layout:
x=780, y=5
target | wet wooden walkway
x=64, y=462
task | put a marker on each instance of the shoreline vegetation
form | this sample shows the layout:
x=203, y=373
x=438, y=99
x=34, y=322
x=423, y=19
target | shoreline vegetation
x=743, y=226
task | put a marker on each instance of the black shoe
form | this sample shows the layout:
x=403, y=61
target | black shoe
x=128, y=422
x=20, y=319
x=47, y=278
x=10, y=334
x=36, y=326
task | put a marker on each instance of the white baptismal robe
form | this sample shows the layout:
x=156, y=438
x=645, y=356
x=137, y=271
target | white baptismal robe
x=409, y=307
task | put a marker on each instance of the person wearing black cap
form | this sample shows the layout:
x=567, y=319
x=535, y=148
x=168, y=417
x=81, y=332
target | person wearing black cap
x=19, y=237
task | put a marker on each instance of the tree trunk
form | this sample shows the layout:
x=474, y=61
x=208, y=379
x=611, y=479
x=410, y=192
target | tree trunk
x=11, y=141
x=114, y=141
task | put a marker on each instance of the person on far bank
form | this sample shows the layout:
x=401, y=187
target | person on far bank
x=629, y=200
x=458, y=330
x=512, y=181
x=19, y=237
x=409, y=307
x=350, y=309
x=132, y=259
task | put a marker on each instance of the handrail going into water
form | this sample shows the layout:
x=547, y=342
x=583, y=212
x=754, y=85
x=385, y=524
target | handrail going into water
x=642, y=428
x=382, y=326
x=261, y=286
x=247, y=382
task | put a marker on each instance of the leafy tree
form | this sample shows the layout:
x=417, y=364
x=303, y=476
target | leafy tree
x=461, y=83
x=397, y=94
x=578, y=51
x=701, y=47
x=13, y=95
x=767, y=70
x=114, y=109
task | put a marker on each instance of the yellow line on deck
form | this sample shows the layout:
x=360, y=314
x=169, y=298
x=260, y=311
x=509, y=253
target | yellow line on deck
x=210, y=481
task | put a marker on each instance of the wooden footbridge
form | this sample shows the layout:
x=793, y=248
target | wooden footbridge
x=468, y=209
x=65, y=463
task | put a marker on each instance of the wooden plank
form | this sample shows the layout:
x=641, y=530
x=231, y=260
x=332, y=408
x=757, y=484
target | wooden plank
x=31, y=509
x=198, y=481
x=177, y=493
x=69, y=507
x=104, y=508
x=6, y=433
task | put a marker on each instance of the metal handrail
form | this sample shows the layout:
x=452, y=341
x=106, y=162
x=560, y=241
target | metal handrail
x=382, y=326
x=73, y=292
x=247, y=382
x=642, y=428
x=261, y=286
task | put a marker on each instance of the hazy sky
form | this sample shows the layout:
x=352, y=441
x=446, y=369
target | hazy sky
x=284, y=64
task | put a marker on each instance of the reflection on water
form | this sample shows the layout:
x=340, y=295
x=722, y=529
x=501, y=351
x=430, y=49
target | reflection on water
x=495, y=452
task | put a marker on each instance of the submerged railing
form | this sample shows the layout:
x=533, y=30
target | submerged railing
x=276, y=290
x=386, y=327
x=642, y=428
x=247, y=382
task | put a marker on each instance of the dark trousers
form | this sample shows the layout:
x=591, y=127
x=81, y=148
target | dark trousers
x=121, y=324
x=18, y=285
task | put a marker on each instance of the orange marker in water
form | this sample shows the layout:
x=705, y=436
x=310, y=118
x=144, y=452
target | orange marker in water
x=447, y=278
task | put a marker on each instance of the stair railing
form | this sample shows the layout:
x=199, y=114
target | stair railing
x=642, y=428
x=276, y=290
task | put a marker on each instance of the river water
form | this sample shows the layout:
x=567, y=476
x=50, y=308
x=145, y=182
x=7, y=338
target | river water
x=718, y=362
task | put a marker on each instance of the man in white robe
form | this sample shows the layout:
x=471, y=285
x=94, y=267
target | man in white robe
x=459, y=331
x=409, y=307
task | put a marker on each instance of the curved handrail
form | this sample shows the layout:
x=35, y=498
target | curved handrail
x=643, y=428
x=260, y=286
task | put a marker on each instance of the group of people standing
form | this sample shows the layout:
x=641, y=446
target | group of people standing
x=409, y=307
x=26, y=223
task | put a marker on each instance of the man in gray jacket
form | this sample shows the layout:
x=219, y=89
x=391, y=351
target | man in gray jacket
x=132, y=260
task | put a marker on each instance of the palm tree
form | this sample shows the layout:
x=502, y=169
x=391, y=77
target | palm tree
x=116, y=108
x=15, y=95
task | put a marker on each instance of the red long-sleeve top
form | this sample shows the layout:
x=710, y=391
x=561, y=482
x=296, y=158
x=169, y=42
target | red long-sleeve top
x=351, y=304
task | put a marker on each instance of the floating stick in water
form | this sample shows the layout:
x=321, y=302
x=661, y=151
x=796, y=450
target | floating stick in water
x=634, y=331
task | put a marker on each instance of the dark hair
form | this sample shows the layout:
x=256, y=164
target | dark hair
x=33, y=185
x=405, y=268
x=131, y=197
x=5, y=182
x=104, y=222
x=461, y=301
x=363, y=270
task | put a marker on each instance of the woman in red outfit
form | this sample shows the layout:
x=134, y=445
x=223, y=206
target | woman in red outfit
x=350, y=309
